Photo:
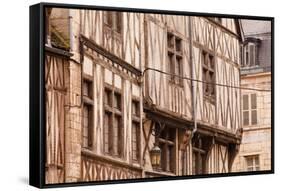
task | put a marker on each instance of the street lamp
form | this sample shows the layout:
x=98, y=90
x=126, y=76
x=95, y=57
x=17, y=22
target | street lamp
x=155, y=155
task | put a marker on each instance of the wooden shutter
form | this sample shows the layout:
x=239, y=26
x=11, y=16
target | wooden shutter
x=245, y=110
x=252, y=54
x=253, y=109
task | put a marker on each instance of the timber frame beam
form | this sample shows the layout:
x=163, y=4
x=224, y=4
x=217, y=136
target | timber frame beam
x=91, y=44
x=170, y=118
x=219, y=134
x=58, y=52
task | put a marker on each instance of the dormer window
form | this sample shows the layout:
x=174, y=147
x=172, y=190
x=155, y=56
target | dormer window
x=251, y=53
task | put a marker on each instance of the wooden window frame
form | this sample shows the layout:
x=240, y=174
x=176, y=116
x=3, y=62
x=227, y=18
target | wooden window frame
x=175, y=58
x=250, y=109
x=113, y=150
x=208, y=70
x=88, y=101
x=167, y=144
x=198, y=166
x=136, y=121
x=251, y=55
x=253, y=159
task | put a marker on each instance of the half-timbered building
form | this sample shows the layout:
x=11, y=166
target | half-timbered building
x=122, y=85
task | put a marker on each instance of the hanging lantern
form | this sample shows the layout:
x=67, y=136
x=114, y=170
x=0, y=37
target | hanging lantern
x=155, y=155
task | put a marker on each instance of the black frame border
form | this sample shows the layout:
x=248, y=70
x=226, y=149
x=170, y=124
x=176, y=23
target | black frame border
x=37, y=116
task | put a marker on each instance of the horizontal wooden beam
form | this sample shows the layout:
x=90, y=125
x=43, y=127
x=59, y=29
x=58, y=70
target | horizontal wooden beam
x=172, y=119
x=106, y=159
x=58, y=52
x=219, y=134
x=94, y=46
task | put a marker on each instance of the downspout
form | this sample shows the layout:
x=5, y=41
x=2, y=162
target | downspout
x=193, y=89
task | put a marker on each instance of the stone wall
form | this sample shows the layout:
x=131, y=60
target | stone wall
x=256, y=139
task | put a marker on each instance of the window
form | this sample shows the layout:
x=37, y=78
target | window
x=208, y=68
x=135, y=131
x=250, y=55
x=87, y=133
x=253, y=162
x=183, y=162
x=113, y=20
x=113, y=127
x=250, y=109
x=175, y=65
x=166, y=142
x=198, y=156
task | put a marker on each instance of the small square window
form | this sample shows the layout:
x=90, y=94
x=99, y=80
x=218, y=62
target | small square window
x=117, y=101
x=87, y=88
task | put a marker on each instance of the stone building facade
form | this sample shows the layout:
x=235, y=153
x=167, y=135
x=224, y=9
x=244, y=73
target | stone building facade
x=255, y=148
x=118, y=89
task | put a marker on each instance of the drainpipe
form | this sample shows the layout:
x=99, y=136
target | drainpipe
x=193, y=89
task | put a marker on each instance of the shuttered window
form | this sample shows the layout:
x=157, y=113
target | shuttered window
x=250, y=109
x=253, y=109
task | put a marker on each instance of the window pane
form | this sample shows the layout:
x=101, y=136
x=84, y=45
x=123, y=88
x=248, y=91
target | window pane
x=252, y=55
x=253, y=101
x=87, y=126
x=178, y=69
x=115, y=134
x=170, y=64
x=254, y=117
x=135, y=108
x=87, y=88
x=107, y=117
x=245, y=102
x=257, y=161
x=247, y=58
x=170, y=40
x=246, y=117
x=135, y=144
x=178, y=45
x=107, y=97
x=117, y=101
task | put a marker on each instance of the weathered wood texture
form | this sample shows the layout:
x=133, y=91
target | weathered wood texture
x=225, y=113
x=95, y=168
x=55, y=75
x=116, y=59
